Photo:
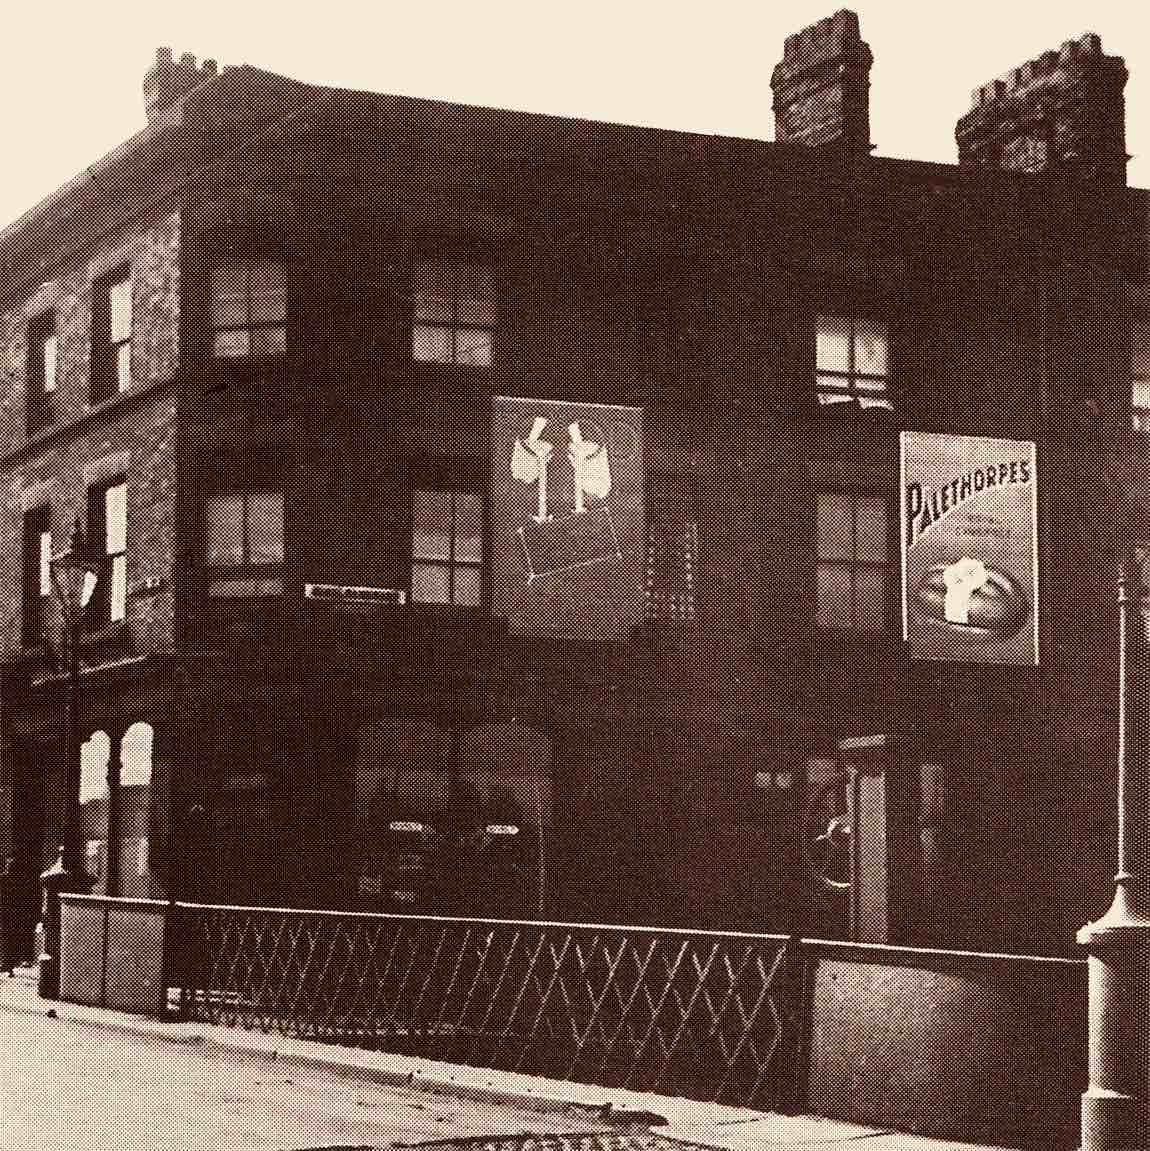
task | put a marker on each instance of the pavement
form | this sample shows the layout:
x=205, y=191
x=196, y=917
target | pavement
x=76, y=1077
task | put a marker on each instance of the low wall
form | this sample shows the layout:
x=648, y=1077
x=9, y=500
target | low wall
x=952, y=1044
x=112, y=952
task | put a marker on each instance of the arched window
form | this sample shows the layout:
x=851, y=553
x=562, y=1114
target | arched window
x=136, y=755
x=95, y=752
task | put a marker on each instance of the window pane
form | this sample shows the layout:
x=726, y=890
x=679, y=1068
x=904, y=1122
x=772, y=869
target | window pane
x=116, y=518
x=232, y=345
x=120, y=308
x=431, y=525
x=266, y=527
x=870, y=599
x=871, y=529
x=867, y=384
x=124, y=367
x=136, y=756
x=48, y=358
x=1140, y=394
x=833, y=389
x=229, y=294
x=870, y=347
x=834, y=526
x=45, y=563
x=118, y=591
x=94, y=755
x=832, y=344
x=434, y=309
x=834, y=596
x=268, y=343
x=268, y=288
x=473, y=347
x=468, y=586
x=469, y=527
x=431, y=345
x=430, y=583
x=224, y=530
x=434, y=278
x=872, y=402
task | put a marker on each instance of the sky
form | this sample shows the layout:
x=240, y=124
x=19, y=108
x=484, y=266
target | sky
x=72, y=77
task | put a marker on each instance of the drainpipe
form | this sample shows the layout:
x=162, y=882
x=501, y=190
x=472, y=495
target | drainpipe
x=1114, y=1105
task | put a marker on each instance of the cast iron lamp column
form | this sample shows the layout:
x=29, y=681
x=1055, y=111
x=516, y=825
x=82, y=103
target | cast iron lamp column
x=1114, y=1105
x=74, y=574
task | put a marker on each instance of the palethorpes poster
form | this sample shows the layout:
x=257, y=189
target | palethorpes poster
x=969, y=548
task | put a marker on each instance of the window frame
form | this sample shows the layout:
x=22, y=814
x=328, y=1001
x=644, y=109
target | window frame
x=101, y=609
x=105, y=381
x=457, y=258
x=455, y=478
x=887, y=567
x=249, y=249
x=35, y=589
x=217, y=574
x=39, y=388
x=886, y=402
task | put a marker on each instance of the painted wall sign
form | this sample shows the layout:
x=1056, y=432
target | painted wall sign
x=567, y=517
x=969, y=548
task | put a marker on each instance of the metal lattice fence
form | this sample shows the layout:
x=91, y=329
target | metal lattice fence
x=700, y=1014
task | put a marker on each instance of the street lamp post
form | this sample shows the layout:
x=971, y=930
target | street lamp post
x=74, y=574
x=1114, y=1105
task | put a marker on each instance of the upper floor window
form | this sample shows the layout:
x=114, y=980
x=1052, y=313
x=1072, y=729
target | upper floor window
x=454, y=313
x=41, y=374
x=108, y=528
x=111, y=335
x=447, y=547
x=853, y=577
x=249, y=307
x=244, y=543
x=851, y=362
x=1140, y=382
x=37, y=581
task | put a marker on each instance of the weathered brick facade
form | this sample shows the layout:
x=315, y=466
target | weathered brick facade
x=663, y=772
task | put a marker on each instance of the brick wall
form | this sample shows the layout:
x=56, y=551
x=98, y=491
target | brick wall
x=131, y=434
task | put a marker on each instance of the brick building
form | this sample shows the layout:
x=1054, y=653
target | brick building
x=302, y=359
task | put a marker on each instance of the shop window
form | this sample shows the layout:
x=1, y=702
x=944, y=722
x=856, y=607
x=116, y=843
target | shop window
x=453, y=313
x=111, y=335
x=37, y=581
x=41, y=371
x=1140, y=382
x=852, y=363
x=447, y=547
x=136, y=755
x=248, y=308
x=108, y=536
x=134, y=800
x=244, y=544
x=853, y=572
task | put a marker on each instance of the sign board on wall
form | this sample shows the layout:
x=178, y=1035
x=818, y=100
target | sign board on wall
x=567, y=517
x=969, y=548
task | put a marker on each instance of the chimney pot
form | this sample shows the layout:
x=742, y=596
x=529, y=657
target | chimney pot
x=1073, y=121
x=821, y=85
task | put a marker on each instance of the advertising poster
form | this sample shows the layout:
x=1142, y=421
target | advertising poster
x=969, y=548
x=567, y=523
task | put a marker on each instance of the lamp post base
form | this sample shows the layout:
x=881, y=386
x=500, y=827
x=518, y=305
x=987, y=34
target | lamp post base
x=1115, y=1105
x=56, y=880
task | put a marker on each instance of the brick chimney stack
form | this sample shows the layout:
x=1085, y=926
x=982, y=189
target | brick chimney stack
x=822, y=86
x=1064, y=110
x=168, y=81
